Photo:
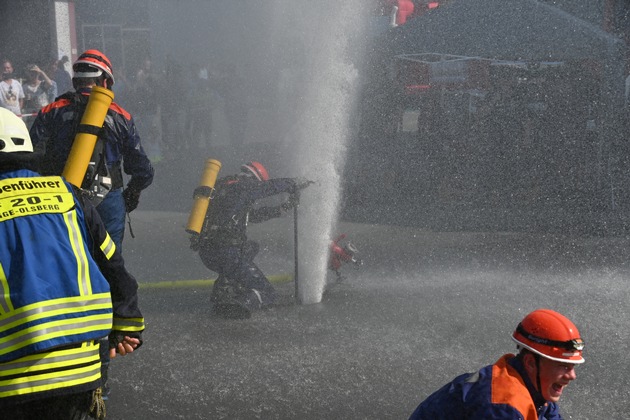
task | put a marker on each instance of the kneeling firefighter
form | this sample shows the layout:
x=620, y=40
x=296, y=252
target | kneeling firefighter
x=223, y=245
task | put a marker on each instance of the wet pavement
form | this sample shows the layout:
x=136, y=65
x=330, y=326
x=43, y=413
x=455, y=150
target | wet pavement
x=425, y=307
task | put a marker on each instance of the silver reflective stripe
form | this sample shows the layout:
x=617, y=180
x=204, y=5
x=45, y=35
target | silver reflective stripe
x=135, y=323
x=79, y=252
x=32, y=363
x=108, y=247
x=58, y=379
x=74, y=326
x=47, y=307
x=5, y=296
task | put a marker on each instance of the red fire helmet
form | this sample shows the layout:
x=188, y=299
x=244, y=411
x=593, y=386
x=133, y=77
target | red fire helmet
x=98, y=62
x=257, y=169
x=550, y=335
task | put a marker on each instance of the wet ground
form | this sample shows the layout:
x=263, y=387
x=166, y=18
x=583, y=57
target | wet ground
x=425, y=307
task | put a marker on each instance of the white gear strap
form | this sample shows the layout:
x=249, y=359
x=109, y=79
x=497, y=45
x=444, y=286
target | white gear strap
x=87, y=74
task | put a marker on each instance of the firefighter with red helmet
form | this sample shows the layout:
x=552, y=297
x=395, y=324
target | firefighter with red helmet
x=56, y=125
x=223, y=245
x=523, y=386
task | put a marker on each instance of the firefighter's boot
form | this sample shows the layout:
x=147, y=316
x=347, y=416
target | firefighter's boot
x=222, y=291
x=240, y=306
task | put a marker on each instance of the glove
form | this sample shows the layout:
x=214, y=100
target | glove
x=117, y=337
x=132, y=198
x=292, y=201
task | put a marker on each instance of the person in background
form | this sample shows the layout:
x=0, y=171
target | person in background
x=39, y=91
x=200, y=102
x=61, y=295
x=173, y=101
x=147, y=109
x=60, y=75
x=523, y=386
x=11, y=93
x=223, y=245
x=232, y=86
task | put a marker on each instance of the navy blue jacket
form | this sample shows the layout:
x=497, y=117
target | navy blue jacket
x=64, y=287
x=55, y=127
x=499, y=391
x=232, y=208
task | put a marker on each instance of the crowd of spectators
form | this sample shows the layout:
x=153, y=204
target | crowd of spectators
x=25, y=91
x=172, y=107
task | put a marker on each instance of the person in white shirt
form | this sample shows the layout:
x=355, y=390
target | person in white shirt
x=11, y=93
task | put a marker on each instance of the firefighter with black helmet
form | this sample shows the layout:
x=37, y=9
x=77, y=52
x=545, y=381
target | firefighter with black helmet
x=223, y=245
x=523, y=386
x=65, y=287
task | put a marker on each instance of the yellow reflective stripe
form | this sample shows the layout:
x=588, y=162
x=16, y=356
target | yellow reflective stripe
x=76, y=241
x=54, y=329
x=128, y=324
x=108, y=247
x=56, y=359
x=5, y=293
x=54, y=307
x=50, y=381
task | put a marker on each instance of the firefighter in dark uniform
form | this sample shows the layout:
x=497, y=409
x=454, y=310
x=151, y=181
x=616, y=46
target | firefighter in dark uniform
x=64, y=288
x=223, y=245
x=55, y=128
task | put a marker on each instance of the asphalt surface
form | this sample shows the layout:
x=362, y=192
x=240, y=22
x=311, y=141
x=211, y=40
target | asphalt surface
x=425, y=307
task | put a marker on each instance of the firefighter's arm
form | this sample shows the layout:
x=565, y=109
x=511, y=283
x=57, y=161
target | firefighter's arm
x=128, y=320
x=277, y=186
x=135, y=161
x=262, y=214
x=272, y=187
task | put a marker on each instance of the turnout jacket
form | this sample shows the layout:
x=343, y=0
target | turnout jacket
x=233, y=208
x=64, y=286
x=499, y=391
x=56, y=125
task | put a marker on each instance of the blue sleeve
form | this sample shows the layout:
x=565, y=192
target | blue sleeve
x=135, y=161
x=552, y=412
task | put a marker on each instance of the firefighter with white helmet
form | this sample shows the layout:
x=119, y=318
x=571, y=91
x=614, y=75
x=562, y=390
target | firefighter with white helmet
x=57, y=264
x=118, y=146
x=523, y=386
